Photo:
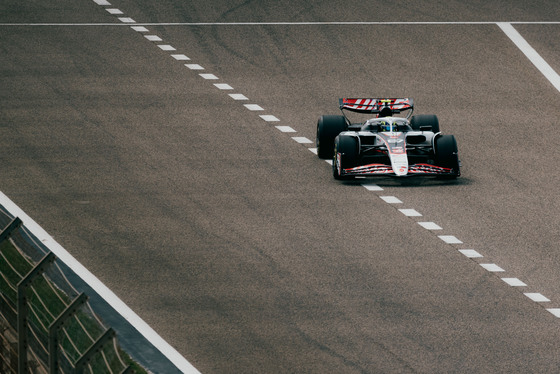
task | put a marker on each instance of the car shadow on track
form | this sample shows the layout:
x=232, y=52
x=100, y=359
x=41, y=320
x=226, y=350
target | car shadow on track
x=409, y=182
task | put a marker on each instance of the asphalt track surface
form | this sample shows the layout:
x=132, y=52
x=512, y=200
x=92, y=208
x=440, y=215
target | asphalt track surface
x=232, y=240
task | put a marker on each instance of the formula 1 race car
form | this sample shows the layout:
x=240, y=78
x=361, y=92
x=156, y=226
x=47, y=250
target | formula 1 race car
x=386, y=145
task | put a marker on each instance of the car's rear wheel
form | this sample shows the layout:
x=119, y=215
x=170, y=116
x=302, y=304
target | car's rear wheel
x=328, y=127
x=345, y=156
x=446, y=154
x=426, y=121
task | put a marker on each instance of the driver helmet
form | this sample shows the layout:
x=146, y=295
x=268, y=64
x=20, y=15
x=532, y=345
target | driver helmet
x=384, y=126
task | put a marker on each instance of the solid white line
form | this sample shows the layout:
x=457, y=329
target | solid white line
x=287, y=23
x=98, y=286
x=531, y=54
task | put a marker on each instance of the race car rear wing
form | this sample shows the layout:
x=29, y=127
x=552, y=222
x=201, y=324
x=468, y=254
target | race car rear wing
x=395, y=105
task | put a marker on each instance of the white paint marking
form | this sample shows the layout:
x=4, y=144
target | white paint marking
x=180, y=57
x=166, y=47
x=238, y=97
x=153, y=38
x=471, y=253
x=209, y=76
x=430, y=225
x=531, y=54
x=555, y=312
x=514, y=282
x=223, y=86
x=253, y=107
x=139, y=28
x=450, y=239
x=126, y=20
x=329, y=162
x=303, y=140
x=99, y=287
x=114, y=11
x=269, y=118
x=410, y=213
x=194, y=66
x=537, y=297
x=313, y=150
x=101, y=2
x=372, y=187
x=285, y=129
x=391, y=199
x=492, y=267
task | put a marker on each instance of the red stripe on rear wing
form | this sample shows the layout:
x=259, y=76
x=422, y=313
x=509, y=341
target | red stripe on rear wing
x=375, y=105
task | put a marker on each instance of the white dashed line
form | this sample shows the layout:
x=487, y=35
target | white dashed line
x=153, y=38
x=514, y=282
x=410, y=213
x=450, y=239
x=285, y=129
x=303, y=140
x=180, y=57
x=101, y=2
x=114, y=11
x=237, y=96
x=372, y=187
x=126, y=20
x=166, y=47
x=139, y=28
x=194, y=66
x=430, y=225
x=471, y=253
x=223, y=86
x=555, y=312
x=209, y=76
x=391, y=199
x=537, y=297
x=492, y=268
x=313, y=150
x=253, y=107
x=269, y=118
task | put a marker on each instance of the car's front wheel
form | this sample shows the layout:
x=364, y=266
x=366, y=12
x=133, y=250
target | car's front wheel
x=446, y=154
x=345, y=156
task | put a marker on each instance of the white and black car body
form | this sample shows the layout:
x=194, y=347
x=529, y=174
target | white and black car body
x=386, y=145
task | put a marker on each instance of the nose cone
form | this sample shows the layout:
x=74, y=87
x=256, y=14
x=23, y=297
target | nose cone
x=399, y=162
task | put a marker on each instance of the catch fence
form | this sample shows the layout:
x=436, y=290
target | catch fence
x=46, y=325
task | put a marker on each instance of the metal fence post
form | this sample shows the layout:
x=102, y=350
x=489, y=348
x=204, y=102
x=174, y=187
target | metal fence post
x=16, y=222
x=55, y=326
x=22, y=310
x=95, y=347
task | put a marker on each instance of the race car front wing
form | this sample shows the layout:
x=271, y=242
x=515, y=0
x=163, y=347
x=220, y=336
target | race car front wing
x=382, y=169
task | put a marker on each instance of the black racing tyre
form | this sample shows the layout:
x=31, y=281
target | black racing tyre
x=346, y=154
x=328, y=127
x=446, y=154
x=425, y=120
